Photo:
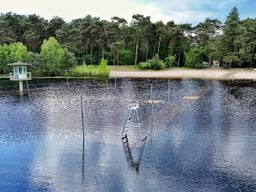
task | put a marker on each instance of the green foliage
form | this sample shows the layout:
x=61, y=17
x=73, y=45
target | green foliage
x=230, y=33
x=103, y=67
x=155, y=63
x=91, y=39
x=6, y=33
x=12, y=53
x=18, y=52
x=101, y=70
x=246, y=41
x=144, y=65
x=170, y=61
x=126, y=57
x=231, y=60
x=4, y=58
x=68, y=60
x=214, y=50
x=54, y=60
x=33, y=58
x=194, y=58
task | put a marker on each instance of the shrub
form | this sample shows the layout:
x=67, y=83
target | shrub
x=194, y=58
x=144, y=65
x=231, y=60
x=103, y=67
x=155, y=63
x=170, y=61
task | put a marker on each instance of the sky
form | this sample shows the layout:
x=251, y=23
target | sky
x=180, y=11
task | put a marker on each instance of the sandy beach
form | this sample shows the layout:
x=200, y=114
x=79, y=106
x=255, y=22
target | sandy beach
x=212, y=73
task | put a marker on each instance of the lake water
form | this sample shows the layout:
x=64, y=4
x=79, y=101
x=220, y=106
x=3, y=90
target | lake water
x=180, y=135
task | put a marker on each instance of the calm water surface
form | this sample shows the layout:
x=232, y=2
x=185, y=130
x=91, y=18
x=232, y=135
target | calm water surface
x=184, y=136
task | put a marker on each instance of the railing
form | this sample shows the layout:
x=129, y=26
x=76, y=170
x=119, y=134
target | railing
x=17, y=77
x=3, y=76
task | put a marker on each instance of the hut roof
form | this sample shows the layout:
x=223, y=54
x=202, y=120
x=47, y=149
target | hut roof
x=19, y=64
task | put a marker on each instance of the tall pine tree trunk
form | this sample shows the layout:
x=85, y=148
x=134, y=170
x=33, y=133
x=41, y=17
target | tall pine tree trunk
x=91, y=53
x=102, y=51
x=159, y=45
x=179, y=57
x=136, y=53
x=117, y=56
x=210, y=61
x=147, y=51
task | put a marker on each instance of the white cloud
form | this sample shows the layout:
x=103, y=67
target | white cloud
x=180, y=11
x=188, y=11
x=79, y=8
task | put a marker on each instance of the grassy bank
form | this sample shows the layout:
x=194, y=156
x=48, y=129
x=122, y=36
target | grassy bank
x=101, y=70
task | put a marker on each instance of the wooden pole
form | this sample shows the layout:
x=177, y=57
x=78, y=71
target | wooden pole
x=21, y=88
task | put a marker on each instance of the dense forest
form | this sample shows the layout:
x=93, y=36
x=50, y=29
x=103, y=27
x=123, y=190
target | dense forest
x=57, y=45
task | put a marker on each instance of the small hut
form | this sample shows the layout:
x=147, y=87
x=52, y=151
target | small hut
x=20, y=74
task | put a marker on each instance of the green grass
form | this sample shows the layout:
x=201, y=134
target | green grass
x=101, y=70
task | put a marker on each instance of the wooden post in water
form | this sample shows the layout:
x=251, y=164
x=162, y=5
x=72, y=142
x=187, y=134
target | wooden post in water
x=68, y=83
x=21, y=88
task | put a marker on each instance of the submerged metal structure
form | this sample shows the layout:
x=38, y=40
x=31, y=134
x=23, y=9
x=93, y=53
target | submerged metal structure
x=133, y=137
x=146, y=116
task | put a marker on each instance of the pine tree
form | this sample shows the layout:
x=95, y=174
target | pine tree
x=230, y=32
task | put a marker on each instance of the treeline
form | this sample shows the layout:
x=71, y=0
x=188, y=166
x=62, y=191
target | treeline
x=90, y=39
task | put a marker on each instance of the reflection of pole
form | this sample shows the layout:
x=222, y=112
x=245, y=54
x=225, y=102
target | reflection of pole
x=83, y=160
x=82, y=115
x=82, y=118
x=28, y=89
x=68, y=83
x=152, y=110
x=168, y=87
x=115, y=82
x=21, y=87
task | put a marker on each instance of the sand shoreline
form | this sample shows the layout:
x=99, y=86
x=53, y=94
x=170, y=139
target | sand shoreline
x=214, y=74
